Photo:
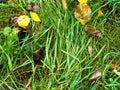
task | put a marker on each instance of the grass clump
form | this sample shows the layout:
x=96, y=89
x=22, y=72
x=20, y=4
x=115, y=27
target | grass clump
x=62, y=43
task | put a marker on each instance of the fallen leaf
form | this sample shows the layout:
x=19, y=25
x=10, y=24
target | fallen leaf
x=28, y=7
x=82, y=13
x=64, y=3
x=102, y=9
x=35, y=16
x=87, y=28
x=116, y=72
x=96, y=33
x=13, y=19
x=96, y=75
x=23, y=21
x=83, y=1
x=100, y=13
x=36, y=8
x=113, y=66
x=82, y=10
x=90, y=50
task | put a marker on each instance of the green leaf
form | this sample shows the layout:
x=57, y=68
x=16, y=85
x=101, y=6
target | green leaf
x=6, y=31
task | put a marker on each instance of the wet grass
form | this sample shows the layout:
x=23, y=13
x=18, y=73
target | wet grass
x=64, y=62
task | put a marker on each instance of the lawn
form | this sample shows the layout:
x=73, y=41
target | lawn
x=53, y=54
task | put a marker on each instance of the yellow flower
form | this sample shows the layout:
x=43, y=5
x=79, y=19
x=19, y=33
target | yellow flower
x=23, y=21
x=83, y=1
x=35, y=16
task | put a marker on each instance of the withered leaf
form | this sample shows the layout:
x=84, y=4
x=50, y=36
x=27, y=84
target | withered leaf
x=13, y=19
x=116, y=72
x=90, y=50
x=82, y=13
x=96, y=75
x=32, y=7
x=87, y=28
x=36, y=8
x=64, y=3
x=96, y=33
x=102, y=9
x=28, y=7
x=113, y=66
x=100, y=13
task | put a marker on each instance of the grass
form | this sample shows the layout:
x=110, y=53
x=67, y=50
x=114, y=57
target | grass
x=66, y=64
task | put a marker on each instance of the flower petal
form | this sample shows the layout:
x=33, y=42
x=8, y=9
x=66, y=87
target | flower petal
x=35, y=16
x=23, y=21
x=83, y=1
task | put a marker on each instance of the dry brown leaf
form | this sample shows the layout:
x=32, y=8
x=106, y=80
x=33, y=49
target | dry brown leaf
x=96, y=75
x=82, y=13
x=102, y=9
x=82, y=10
x=90, y=50
x=28, y=7
x=113, y=66
x=64, y=3
x=87, y=28
x=116, y=72
x=100, y=13
x=13, y=19
x=36, y=8
x=96, y=33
